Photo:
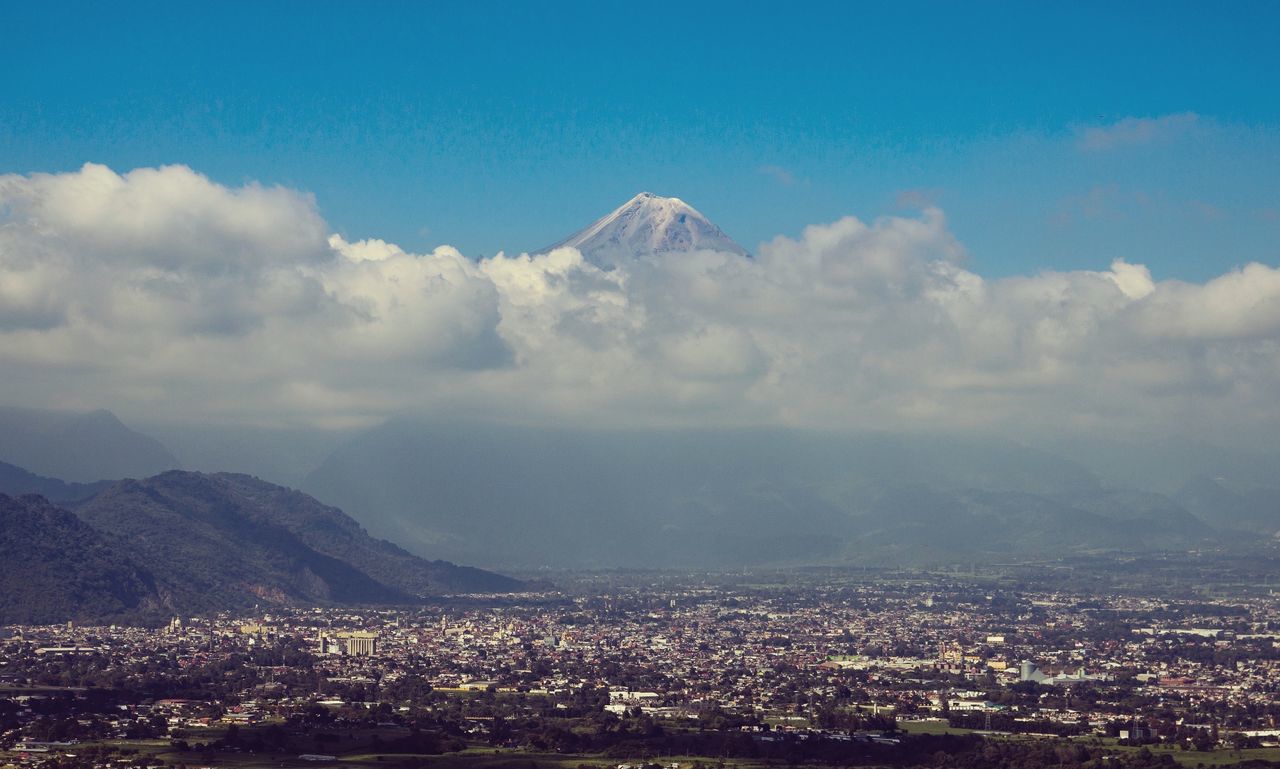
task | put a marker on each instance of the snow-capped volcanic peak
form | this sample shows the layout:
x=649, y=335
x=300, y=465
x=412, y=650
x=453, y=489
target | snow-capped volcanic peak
x=649, y=224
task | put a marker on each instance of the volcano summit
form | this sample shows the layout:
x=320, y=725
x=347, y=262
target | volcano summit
x=649, y=224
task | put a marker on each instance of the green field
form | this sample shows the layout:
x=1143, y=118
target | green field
x=1220, y=757
x=1191, y=758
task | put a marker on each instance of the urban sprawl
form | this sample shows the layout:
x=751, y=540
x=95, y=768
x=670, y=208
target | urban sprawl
x=634, y=674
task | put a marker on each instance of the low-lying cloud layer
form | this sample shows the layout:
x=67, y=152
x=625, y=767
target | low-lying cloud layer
x=160, y=292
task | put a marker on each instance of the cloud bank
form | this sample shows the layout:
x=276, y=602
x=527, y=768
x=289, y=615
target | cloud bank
x=160, y=292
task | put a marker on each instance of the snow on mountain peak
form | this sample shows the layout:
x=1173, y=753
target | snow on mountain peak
x=649, y=224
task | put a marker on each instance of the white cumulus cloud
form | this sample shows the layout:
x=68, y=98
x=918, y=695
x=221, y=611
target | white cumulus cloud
x=160, y=292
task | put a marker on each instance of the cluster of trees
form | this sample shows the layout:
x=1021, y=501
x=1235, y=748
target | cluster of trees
x=1025, y=754
x=163, y=675
x=1006, y=722
x=68, y=716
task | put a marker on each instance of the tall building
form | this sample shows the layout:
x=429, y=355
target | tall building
x=350, y=643
x=359, y=643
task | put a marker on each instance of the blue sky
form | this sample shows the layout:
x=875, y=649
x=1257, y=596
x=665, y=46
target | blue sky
x=1054, y=136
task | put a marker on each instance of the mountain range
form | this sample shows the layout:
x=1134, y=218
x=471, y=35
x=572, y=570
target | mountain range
x=508, y=497
x=193, y=542
x=532, y=497
x=16, y=481
x=78, y=446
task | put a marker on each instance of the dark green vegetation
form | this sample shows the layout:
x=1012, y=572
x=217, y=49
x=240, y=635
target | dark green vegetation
x=190, y=542
x=56, y=566
x=535, y=497
x=270, y=536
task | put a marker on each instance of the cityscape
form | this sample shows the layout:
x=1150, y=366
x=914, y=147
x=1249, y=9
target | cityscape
x=579, y=384
x=868, y=667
